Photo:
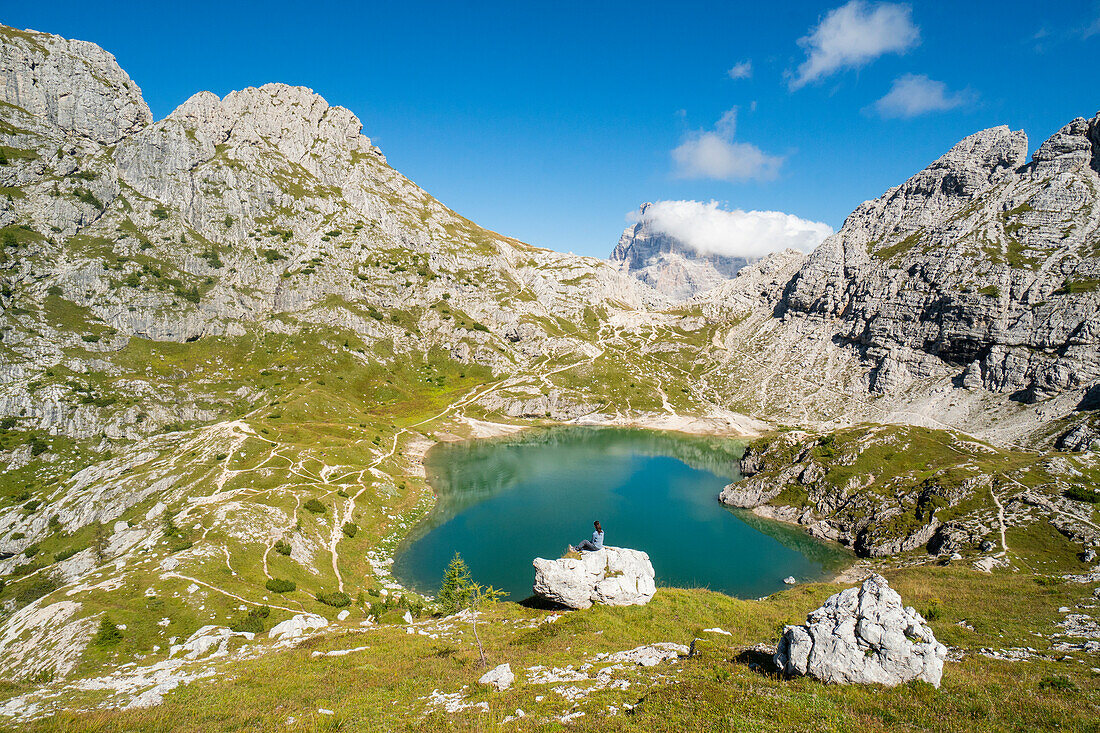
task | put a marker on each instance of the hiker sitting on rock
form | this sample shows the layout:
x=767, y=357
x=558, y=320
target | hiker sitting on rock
x=596, y=543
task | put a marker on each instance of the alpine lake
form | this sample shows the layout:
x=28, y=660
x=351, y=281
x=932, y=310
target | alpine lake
x=502, y=502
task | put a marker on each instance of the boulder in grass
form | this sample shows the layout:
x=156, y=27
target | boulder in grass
x=863, y=635
x=499, y=677
x=297, y=627
x=613, y=576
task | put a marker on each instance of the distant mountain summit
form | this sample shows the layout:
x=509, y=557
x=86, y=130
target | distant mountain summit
x=669, y=264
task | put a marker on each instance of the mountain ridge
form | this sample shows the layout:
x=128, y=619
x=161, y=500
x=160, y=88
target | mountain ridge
x=215, y=321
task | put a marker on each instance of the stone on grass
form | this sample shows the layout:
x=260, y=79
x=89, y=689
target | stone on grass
x=297, y=626
x=863, y=635
x=499, y=677
x=613, y=576
x=650, y=655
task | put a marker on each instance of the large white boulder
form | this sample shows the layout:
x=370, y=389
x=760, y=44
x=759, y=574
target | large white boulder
x=499, y=677
x=297, y=626
x=613, y=576
x=863, y=635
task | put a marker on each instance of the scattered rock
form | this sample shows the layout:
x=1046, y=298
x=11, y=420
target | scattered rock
x=649, y=655
x=789, y=580
x=612, y=576
x=863, y=635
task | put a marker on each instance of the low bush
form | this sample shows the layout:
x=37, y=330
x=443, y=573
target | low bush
x=315, y=506
x=336, y=599
x=108, y=633
x=1082, y=493
x=278, y=585
x=253, y=622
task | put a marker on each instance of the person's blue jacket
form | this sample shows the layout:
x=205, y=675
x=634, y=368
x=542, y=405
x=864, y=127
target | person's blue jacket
x=597, y=540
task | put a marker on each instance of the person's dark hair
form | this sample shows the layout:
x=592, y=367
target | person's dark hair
x=598, y=527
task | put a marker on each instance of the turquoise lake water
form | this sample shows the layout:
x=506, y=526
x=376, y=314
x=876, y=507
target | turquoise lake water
x=503, y=502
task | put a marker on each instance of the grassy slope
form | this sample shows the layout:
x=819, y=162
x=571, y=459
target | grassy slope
x=384, y=687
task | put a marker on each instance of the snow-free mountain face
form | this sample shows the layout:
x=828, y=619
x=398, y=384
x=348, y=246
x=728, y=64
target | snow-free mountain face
x=227, y=338
x=667, y=263
x=960, y=296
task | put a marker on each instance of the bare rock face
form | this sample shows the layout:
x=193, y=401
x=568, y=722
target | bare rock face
x=613, y=576
x=980, y=265
x=863, y=636
x=74, y=85
x=668, y=264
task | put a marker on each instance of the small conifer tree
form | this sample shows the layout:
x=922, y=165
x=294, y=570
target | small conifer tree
x=459, y=591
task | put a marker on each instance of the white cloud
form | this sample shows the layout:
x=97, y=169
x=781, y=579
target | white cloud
x=915, y=94
x=709, y=229
x=742, y=70
x=1092, y=30
x=715, y=154
x=853, y=35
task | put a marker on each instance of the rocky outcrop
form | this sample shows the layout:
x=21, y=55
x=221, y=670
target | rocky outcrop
x=613, y=576
x=499, y=677
x=668, y=264
x=973, y=259
x=863, y=635
x=74, y=85
x=296, y=627
x=952, y=299
x=849, y=486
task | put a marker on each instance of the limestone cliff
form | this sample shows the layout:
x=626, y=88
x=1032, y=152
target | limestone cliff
x=667, y=263
x=966, y=297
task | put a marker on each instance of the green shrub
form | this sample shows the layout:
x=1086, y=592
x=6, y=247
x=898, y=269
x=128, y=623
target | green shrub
x=108, y=633
x=38, y=447
x=1082, y=493
x=390, y=616
x=253, y=622
x=1057, y=682
x=31, y=550
x=89, y=198
x=336, y=599
x=272, y=255
x=27, y=593
x=278, y=585
x=315, y=506
x=212, y=259
x=350, y=529
x=282, y=547
x=8, y=423
x=160, y=213
x=65, y=554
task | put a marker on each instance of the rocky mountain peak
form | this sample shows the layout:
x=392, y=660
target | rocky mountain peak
x=73, y=85
x=1074, y=146
x=667, y=263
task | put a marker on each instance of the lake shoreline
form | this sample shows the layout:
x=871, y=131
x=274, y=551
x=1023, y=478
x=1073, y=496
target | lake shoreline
x=712, y=446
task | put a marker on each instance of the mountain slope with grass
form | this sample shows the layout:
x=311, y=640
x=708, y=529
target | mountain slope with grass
x=228, y=337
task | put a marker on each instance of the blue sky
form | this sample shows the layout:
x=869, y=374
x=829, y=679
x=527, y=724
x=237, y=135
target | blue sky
x=550, y=122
